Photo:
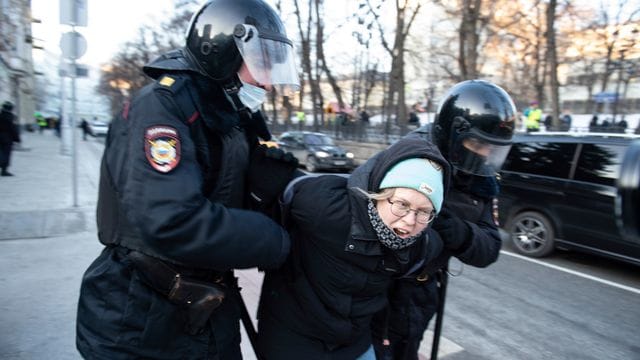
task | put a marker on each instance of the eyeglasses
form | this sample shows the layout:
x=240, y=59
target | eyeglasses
x=401, y=209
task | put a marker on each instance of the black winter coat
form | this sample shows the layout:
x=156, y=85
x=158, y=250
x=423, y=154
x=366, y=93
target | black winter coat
x=320, y=304
x=181, y=203
x=8, y=129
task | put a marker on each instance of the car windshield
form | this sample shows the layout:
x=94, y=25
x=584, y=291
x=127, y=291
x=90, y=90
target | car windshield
x=313, y=139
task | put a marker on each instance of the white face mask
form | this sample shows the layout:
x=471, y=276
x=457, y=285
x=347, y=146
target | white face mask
x=252, y=96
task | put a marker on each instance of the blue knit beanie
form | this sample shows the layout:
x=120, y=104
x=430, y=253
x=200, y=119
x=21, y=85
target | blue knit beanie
x=422, y=175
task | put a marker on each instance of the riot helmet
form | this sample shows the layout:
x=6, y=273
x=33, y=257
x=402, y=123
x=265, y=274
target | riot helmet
x=224, y=34
x=474, y=125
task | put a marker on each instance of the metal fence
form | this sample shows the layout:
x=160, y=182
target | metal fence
x=352, y=131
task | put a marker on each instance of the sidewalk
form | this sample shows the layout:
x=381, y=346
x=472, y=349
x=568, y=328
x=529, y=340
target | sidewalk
x=46, y=243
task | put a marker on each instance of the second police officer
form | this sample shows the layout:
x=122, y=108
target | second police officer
x=178, y=165
x=473, y=128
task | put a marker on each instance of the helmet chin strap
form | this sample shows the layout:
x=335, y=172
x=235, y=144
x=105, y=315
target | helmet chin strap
x=231, y=88
x=254, y=123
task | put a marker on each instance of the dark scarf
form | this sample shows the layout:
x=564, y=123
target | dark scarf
x=388, y=237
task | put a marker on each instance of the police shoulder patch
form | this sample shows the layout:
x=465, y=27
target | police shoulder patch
x=162, y=147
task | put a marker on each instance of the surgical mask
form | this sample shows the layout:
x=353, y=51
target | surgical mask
x=252, y=96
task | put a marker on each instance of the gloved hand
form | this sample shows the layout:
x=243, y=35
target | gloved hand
x=455, y=232
x=270, y=170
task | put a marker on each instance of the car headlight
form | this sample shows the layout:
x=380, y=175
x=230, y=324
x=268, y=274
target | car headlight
x=350, y=155
x=321, y=154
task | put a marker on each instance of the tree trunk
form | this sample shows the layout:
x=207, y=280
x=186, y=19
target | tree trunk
x=320, y=54
x=552, y=60
x=469, y=39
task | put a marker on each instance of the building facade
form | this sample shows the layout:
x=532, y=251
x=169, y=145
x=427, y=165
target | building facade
x=16, y=62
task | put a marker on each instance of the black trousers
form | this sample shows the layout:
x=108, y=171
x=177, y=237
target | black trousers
x=412, y=306
x=5, y=155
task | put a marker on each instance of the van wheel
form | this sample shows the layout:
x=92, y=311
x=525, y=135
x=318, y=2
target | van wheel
x=532, y=234
x=311, y=165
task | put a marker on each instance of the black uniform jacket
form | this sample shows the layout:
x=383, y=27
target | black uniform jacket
x=181, y=203
x=320, y=304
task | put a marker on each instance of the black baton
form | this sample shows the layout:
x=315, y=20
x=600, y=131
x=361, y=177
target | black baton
x=443, y=278
x=248, y=326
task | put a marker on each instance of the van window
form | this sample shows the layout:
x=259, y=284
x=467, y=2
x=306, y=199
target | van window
x=600, y=164
x=541, y=158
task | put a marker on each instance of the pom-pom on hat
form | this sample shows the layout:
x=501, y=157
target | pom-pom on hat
x=421, y=175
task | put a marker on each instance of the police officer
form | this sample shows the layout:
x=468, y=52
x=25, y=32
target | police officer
x=473, y=130
x=178, y=167
x=8, y=135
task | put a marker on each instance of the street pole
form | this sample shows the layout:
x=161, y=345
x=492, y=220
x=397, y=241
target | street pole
x=65, y=134
x=74, y=150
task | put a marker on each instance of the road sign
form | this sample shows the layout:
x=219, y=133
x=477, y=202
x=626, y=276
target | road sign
x=66, y=70
x=73, y=45
x=73, y=12
x=605, y=97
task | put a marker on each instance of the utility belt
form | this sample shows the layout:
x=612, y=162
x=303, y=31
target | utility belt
x=198, y=295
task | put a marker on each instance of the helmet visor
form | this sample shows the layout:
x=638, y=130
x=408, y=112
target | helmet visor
x=476, y=156
x=268, y=57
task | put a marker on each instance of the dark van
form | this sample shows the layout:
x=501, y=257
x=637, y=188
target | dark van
x=558, y=190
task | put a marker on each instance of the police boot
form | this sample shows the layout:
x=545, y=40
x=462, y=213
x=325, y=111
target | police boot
x=6, y=173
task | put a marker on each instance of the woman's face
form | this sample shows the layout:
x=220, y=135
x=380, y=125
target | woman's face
x=404, y=226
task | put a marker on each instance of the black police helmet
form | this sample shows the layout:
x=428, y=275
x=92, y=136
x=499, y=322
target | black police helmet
x=474, y=125
x=225, y=33
x=7, y=106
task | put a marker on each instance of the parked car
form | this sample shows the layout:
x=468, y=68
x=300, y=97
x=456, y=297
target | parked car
x=99, y=127
x=316, y=151
x=558, y=190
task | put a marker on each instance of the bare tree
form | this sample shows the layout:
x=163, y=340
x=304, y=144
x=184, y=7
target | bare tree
x=319, y=6
x=304, y=30
x=123, y=75
x=469, y=39
x=552, y=60
x=405, y=15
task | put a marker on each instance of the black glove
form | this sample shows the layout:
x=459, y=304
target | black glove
x=455, y=232
x=270, y=170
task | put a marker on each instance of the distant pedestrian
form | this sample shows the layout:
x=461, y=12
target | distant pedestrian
x=593, y=125
x=364, y=117
x=363, y=124
x=622, y=126
x=534, y=114
x=301, y=116
x=566, y=121
x=8, y=135
x=58, y=123
x=548, y=122
x=41, y=121
x=86, y=129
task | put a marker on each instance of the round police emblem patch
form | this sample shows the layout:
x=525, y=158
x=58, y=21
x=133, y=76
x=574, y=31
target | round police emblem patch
x=162, y=147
